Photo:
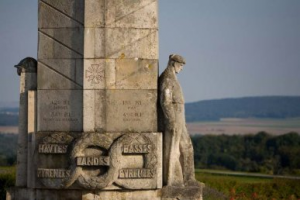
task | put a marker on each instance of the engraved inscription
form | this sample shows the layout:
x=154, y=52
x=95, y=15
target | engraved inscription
x=53, y=173
x=137, y=148
x=94, y=74
x=60, y=112
x=93, y=161
x=136, y=173
x=53, y=148
x=132, y=111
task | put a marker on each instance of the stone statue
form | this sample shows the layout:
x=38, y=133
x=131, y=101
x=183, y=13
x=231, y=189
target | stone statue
x=27, y=70
x=178, y=148
x=27, y=65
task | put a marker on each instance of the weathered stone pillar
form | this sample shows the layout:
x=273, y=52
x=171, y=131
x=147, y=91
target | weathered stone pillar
x=27, y=71
x=120, y=65
x=89, y=131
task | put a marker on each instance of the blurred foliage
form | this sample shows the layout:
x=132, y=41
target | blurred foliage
x=8, y=149
x=7, y=180
x=263, y=153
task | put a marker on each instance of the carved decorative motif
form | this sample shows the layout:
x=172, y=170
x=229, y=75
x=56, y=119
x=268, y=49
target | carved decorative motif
x=100, y=160
x=94, y=74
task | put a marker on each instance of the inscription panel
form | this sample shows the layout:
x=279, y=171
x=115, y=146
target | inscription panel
x=131, y=110
x=60, y=110
x=52, y=158
x=103, y=161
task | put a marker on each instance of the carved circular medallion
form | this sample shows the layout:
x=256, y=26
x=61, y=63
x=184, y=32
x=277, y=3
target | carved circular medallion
x=142, y=170
x=77, y=170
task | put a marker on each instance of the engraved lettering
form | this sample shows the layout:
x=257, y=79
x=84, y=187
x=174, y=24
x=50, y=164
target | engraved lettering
x=53, y=173
x=53, y=148
x=93, y=161
x=136, y=173
x=60, y=112
x=137, y=148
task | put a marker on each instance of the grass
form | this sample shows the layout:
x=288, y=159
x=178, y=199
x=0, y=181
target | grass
x=7, y=180
x=248, y=188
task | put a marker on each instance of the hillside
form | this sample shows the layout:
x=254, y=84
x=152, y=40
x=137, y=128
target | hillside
x=247, y=107
x=276, y=107
x=9, y=116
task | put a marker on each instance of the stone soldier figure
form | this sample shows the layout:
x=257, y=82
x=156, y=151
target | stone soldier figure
x=178, y=148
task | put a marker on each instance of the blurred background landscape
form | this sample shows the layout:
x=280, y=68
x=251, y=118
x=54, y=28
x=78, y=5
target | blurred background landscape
x=245, y=148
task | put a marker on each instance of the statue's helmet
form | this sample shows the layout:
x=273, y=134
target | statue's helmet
x=177, y=58
x=27, y=65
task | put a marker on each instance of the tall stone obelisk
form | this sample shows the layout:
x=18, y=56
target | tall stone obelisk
x=93, y=117
x=89, y=130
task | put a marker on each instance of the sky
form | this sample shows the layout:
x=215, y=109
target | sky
x=233, y=48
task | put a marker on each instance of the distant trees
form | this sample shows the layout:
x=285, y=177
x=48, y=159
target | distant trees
x=250, y=153
x=8, y=149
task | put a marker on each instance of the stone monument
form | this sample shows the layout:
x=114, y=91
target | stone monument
x=88, y=110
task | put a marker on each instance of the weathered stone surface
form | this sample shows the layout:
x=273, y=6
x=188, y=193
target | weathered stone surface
x=71, y=8
x=60, y=14
x=126, y=195
x=182, y=193
x=72, y=38
x=126, y=43
x=89, y=43
x=51, y=80
x=51, y=49
x=94, y=13
x=60, y=110
x=69, y=68
x=132, y=14
x=29, y=194
x=100, y=44
x=136, y=74
x=32, y=123
x=94, y=111
x=131, y=111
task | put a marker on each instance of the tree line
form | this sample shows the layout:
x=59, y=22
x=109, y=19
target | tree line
x=262, y=153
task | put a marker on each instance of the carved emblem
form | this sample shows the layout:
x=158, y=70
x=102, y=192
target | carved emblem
x=98, y=160
x=94, y=74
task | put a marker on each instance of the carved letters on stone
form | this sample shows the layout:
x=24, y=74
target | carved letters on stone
x=53, y=148
x=136, y=173
x=93, y=161
x=129, y=161
x=53, y=173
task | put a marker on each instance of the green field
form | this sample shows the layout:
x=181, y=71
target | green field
x=233, y=126
x=247, y=187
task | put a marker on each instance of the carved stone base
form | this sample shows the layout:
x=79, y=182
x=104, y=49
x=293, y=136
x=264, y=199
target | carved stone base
x=167, y=193
x=182, y=193
x=40, y=194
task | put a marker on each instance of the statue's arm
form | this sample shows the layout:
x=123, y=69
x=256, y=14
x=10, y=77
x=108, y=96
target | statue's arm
x=166, y=100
